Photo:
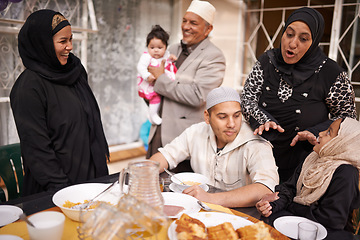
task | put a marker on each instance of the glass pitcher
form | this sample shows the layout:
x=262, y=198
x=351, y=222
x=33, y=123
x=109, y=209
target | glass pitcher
x=143, y=182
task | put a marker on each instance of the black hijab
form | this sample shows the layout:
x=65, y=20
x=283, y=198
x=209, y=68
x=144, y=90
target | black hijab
x=37, y=52
x=296, y=74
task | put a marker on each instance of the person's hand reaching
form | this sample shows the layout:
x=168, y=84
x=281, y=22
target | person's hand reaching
x=263, y=206
x=198, y=193
x=266, y=126
x=304, y=136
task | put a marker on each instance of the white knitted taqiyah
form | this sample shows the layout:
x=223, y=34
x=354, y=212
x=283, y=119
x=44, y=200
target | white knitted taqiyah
x=204, y=9
x=221, y=94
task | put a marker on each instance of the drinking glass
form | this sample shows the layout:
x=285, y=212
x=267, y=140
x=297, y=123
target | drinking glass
x=161, y=183
x=129, y=219
x=307, y=231
x=48, y=225
x=106, y=222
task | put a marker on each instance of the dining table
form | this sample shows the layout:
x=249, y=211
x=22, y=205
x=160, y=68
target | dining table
x=43, y=202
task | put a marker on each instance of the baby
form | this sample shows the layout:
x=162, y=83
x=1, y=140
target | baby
x=325, y=187
x=157, y=42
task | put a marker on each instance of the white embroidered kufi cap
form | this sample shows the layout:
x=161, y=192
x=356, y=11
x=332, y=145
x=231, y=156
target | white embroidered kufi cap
x=220, y=95
x=204, y=9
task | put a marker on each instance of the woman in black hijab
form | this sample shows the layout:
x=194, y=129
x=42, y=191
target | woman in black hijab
x=56, y=114
x=295, y=91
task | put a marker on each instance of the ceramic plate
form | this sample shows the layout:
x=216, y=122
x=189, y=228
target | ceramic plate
x=212, y=219
x=9, y=237
x=188, y=202
x=288, y=226
x=9, y=214
x=174, y=188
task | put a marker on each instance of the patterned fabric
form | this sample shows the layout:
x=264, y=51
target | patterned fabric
x=220, y=95
x=337, y=99
x=250, y=98
x=338, y=96
x=146, y=89
x=285, y=90
x=327, y=95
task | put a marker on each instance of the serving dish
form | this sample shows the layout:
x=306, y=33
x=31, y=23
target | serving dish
x=81, y=192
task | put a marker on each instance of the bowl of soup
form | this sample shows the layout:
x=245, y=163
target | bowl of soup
x=189, y=179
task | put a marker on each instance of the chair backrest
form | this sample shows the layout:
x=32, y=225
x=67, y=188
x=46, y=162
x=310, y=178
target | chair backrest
x=11, y=169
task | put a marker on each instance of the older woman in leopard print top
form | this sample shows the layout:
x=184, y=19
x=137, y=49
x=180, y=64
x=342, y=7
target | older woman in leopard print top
x=295, y=91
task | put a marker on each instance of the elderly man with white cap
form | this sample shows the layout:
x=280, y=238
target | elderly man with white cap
x=201, y=68
x=224, y=149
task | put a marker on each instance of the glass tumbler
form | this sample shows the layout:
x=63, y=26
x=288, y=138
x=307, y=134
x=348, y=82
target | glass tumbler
x=307, y=231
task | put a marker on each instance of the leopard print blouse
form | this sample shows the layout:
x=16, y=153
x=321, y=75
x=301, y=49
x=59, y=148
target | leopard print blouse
x=340, y=100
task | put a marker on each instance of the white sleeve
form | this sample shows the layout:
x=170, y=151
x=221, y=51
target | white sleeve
x=143, y=65
x=178, y=149
x=261, y=164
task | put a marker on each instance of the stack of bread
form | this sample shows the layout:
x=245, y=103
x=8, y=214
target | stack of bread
x=255, y=231
x=189, y=228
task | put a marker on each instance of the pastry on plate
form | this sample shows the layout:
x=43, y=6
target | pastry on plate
x=224, y=231
x=257, y=231
x=189, y=228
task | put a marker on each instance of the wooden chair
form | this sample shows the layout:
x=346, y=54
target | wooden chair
x=11, y=170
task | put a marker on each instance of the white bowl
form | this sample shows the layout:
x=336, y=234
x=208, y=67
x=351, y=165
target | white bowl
x=80, y=193
x=188, y=178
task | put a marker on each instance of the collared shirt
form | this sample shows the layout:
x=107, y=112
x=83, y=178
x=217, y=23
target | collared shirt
x=185, y=53
x=246, y=160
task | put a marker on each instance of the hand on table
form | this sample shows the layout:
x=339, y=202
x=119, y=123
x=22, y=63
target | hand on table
x=198, y=193
x=157, y=71
x=304, y=136
x=263, y=206
x=266, y=126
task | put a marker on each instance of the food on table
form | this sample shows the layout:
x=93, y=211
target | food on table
x=224, y=231
x=192, y=183
x=78, y=205
x=172, y=210
x=257, y=231
x=189, y=228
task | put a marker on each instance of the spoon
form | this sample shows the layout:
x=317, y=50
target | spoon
x=173, y=175
x=24, y=218
x=84, y=206
x=207, y=208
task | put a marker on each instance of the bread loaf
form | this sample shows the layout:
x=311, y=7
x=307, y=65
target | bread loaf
x=257, y=231
x=189, y=228
x=224, y=231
